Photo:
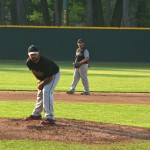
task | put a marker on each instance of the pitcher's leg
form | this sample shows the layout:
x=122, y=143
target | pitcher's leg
x=39, y=104
x=48, y=105
x=48, y=97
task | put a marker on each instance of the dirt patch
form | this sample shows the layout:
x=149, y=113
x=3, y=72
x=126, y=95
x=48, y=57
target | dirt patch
x=114, y=98
x=67, y=130
x=71, y=131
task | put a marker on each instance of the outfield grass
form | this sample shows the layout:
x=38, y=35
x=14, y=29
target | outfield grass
x=103, y=77
x=132, y=115
x=46, y=145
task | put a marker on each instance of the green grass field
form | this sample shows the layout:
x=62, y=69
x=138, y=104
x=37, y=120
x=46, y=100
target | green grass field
x=132, y=115
x=45, y=145
x=103, y=77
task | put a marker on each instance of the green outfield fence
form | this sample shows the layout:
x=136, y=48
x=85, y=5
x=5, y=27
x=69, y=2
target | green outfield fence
x=59, y=43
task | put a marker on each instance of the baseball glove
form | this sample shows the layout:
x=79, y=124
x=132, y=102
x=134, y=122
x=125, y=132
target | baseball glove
x=76, y=65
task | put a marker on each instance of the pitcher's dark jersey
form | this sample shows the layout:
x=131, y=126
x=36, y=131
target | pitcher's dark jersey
x=44, y=68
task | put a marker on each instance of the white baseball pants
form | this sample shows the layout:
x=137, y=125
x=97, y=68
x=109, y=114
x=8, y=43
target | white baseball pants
x=45, y=99
x=80, y=72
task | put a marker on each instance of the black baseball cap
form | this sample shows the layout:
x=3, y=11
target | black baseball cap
x=33, y=50
x=80, y=41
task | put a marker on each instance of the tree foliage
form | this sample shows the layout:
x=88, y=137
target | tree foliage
x=116, y=13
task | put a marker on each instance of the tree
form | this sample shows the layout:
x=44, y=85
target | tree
x=143, y=13
x=33, y=12
x=57, y=12
x=21, y=12
x=98, y=19
x=126, y=13
x=77, y=12
x=117, y=14
x=89, y=13
x=45, y=12
x=81, y=12
x=13, y=12
x=2, y=11
x=108, y=12
x=65, y=13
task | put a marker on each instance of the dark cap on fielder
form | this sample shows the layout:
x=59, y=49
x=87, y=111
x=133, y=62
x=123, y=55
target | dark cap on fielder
x=80, y=41
x=33, y=50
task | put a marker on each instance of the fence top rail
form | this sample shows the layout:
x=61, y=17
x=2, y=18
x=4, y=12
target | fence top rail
x=73, y=27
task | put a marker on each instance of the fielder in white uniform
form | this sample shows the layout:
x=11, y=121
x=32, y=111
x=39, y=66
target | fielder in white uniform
x=80, y=68
x=47, y=73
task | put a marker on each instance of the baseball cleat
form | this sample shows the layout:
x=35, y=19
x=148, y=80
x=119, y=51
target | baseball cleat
x=85, y=93
x=48, y=121
x=70, y=92
x=32, y=117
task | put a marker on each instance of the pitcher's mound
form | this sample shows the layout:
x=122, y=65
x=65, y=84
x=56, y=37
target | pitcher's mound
x=67, y=130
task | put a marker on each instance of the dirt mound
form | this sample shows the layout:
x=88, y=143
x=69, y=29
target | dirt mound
x=71, y=131
x=67, y=130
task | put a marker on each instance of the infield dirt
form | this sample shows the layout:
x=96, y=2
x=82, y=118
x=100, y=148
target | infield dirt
x=68, y=130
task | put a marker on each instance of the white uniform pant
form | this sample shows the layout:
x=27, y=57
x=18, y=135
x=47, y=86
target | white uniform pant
x=45, y=99
x=80, y=72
